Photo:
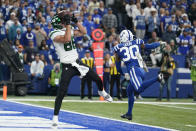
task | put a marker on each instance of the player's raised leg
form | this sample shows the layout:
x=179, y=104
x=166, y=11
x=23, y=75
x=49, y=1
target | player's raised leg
x=99, y=84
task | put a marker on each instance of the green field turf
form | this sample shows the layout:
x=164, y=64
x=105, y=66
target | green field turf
x=174, y=116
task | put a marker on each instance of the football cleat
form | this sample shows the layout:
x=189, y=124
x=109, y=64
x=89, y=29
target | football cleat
x=55, y=121
x=161, y=78
x=126, y=116
x=105, y=95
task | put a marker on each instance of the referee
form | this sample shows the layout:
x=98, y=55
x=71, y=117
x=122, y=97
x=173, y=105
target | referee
x=89, y=61
x=115, y=78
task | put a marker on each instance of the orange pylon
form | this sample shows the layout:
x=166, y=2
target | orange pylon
x=4, y=92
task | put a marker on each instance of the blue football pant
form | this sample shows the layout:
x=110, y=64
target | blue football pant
x=137, y=85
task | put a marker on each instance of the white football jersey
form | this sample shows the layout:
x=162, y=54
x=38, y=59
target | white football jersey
x=66, y=51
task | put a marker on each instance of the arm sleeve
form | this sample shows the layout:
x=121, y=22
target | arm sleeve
x=152, y=45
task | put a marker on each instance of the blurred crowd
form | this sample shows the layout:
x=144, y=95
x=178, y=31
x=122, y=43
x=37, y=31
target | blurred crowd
x=26, y=24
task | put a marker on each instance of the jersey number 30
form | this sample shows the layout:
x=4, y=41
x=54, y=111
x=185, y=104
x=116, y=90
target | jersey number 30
x=130, y=52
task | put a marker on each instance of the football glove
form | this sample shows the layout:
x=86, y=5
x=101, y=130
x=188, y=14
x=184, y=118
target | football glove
x=74, y=19
x=67, y=19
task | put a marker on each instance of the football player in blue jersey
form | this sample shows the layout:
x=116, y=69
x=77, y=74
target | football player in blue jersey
x=128, y=51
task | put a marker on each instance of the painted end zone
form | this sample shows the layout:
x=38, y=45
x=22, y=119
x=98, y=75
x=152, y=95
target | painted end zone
x=30, y=117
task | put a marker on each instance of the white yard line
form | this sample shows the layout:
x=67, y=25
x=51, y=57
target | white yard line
x=99, y=116
x=191, y=125
x=178, y=107
x=98, y=101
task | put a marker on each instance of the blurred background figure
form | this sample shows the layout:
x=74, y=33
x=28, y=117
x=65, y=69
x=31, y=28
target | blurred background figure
x=193, y=76
x=106, y=71
x=54, y=79
x=37, y=68
x=88, y=60
x=167, y=68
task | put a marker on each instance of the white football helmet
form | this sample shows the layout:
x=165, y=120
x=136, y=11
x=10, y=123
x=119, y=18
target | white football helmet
x=126, y=36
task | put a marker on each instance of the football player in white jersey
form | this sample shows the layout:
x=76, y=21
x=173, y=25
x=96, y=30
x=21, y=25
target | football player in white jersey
x=63, y=39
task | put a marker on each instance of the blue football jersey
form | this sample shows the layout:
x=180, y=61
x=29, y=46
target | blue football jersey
x=128, y=52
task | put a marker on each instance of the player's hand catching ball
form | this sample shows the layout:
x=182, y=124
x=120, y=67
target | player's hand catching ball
x=74, y=19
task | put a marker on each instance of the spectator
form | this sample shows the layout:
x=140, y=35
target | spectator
x=3, y=33
x=149, y=9
x=20, y=53
x=106, y=71
x=109, y=44
x=154, y=38
x=153, y=23
x=167, y=68
x=185, y=21
x=193, y=76
x=30, y=16
x=6, y=8
x=129, y=6
x=94, y=4
x=28, y=36
x=24, y=25
x=86, y=43
x=140, y=25
x=30, y=53
x=185, y=42
x=161, y=13
x=44, y=50
x=169, y=34
x=40, y=34
x=88, y=60
x=164, y=21
x=109, y=20
x=173, y=23
x=194, y=29
x=89, y=24
x=96, y=19
x=178, y=14
x=174, y=47
x=102, y=10
x=36, y=69
x=42, y=58
x=54, y=79
x=136, y=11
x=18, y=35
x=156, y=54
x=13, y=30
x=10, y=22
x=115, y=78
x=180, y=29
x=191, y=12
x=43, y=23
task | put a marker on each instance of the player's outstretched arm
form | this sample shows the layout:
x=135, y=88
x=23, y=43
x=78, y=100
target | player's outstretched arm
x=82, y=31
x=152, y=45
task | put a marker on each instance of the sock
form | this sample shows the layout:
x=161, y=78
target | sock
x=55, y=118
x=146, y=84
x=130, y=93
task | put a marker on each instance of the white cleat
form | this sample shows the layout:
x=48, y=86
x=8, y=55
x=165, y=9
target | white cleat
x=105, y=95
x=55, y=121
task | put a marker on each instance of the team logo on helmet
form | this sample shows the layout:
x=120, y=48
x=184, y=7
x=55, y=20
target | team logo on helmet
x=56, y=22
x=126, y=36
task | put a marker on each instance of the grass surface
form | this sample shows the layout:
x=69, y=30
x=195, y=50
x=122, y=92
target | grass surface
x=168, y=117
